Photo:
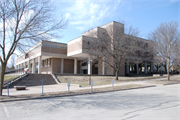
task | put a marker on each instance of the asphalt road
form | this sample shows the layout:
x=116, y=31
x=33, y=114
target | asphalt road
x=155, y=103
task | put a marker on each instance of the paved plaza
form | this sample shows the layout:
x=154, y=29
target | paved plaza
x=154, y=103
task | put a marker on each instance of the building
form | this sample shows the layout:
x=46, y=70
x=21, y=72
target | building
x=46, y=57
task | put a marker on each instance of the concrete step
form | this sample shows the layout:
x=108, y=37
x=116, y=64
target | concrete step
x=35, y=80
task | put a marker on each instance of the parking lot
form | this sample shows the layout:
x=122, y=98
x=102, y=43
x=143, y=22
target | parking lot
x=155, y=103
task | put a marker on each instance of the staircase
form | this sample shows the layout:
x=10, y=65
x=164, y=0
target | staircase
x=34, y=80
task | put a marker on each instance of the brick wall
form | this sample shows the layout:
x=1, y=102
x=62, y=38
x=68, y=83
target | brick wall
x=54, y=50
x=75, y=46
x=56, y=65
x=68, y=65
x=122, y=70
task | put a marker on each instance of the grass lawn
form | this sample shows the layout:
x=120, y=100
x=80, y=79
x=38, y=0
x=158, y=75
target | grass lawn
x=99, y=80
x=9, y=77
x=171, y=81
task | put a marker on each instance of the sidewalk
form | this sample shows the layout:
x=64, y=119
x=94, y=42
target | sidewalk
x=63, y=87
x=61, y=90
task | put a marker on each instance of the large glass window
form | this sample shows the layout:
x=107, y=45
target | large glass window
x=49, y=62
x=46, y=62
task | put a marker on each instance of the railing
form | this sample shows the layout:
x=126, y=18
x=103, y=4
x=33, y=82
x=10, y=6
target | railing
x=14, y=80
x=55, y=78
x=15, y=71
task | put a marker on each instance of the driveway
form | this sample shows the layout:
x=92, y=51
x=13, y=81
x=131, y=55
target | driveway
x=155, y=103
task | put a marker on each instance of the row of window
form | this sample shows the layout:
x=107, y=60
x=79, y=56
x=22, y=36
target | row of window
x=46, y=63
x=54, y=46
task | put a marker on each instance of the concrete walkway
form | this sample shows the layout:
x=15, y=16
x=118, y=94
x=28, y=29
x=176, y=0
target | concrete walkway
x=63, y=87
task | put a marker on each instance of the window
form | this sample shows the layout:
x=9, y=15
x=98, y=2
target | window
x=138, y=53
x=49, y=62
x=26, y=55
x=46, y=62
x=88, y=44
x=146, y=45
x=84, y=64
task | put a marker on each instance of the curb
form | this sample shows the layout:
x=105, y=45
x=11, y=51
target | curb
x=73, y=94
x=171, y=83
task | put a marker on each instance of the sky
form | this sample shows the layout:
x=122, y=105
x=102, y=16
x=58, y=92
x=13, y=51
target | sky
x=84, y=15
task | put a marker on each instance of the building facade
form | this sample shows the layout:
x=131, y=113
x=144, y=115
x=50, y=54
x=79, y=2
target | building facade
x=46, y=57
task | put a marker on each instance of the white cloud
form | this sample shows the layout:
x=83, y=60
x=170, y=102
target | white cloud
x=119, y=1
x=76, y=22
x=68, y=15
x=93, y=7
x=53, y=40
x=85, y=14
x=80, y=28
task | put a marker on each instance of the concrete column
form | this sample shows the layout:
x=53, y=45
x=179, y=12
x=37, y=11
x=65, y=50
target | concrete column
x=29, y=64
x=89, y=65
x=21, y=68
x=39, y=65
x=16, y=68
x=24, y=64
x=33, y=65
x=145, y=67
x=62, y=65
x=19, y=71
x=137, y=67
x=75, y=66
x=152, y=67
x=103, y=66
x=127, y=67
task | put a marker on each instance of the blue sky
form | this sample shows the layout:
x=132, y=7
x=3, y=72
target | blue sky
x=86, y=14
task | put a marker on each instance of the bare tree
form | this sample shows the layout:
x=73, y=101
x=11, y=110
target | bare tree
x=177, y=56
x=113, y=47
x=24, y=23
x=166, y=35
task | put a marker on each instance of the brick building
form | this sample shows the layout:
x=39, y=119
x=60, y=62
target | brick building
x=46, y=57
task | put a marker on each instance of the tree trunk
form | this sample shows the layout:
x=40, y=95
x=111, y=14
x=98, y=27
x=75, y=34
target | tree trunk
x=2, y=78
x=168, y=69
x=117, y=75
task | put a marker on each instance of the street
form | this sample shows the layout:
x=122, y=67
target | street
x=154, y=103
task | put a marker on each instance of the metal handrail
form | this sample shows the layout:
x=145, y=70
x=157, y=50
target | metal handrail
x=14, y=80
